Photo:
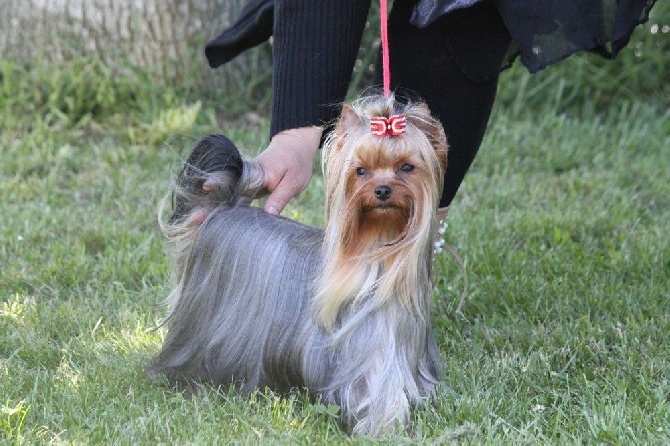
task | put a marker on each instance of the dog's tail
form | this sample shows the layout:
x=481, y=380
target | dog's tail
x=214, y=174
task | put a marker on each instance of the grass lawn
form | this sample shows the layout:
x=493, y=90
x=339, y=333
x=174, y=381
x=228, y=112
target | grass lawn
x=563, y=223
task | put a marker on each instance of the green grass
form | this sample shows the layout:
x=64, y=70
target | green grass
x=563, y=222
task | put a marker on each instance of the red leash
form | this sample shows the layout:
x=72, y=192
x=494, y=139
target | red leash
x=395, y=125
x=386, y=71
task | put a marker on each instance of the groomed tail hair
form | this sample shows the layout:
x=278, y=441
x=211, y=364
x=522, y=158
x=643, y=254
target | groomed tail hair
x=232, y=180
x=216, y=161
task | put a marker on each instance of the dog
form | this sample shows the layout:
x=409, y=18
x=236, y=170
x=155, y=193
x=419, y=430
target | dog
x=344, y=312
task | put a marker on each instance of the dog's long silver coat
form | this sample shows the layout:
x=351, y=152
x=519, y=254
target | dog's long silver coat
x=242, y=311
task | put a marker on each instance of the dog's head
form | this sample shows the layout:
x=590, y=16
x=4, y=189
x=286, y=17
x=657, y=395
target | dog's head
x=385, y=164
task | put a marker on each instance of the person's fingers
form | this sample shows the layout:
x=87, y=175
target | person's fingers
x=208, y=185
x=288, y=187
x=273, y=172
x=199, y=215
x=279, y=197
x=276, y=202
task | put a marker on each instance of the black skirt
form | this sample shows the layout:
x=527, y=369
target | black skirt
x=542, y=32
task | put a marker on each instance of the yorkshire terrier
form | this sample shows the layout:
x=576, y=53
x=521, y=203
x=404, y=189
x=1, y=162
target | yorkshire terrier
x=344, y=312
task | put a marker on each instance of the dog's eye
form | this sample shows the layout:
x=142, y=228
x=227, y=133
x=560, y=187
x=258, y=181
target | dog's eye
x=406, y=168
x=361, y=171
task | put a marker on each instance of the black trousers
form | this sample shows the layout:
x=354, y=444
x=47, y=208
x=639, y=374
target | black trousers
x=453, y=64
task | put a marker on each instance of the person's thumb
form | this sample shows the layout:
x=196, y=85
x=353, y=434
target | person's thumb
x=277, y=200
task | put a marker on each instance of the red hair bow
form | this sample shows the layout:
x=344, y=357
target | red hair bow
x=393, y=126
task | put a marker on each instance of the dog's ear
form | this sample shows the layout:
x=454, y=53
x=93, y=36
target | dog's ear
x=349, y=119
x=419, y=115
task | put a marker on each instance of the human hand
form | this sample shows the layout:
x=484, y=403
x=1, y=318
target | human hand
x=287, y=165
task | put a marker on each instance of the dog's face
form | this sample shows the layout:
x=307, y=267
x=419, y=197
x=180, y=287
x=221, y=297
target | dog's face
x=382, y=188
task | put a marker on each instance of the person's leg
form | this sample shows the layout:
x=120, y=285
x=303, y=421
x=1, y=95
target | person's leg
x=431, y=62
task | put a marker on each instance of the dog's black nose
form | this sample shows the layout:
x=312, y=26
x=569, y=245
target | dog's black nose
x=382, y=192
